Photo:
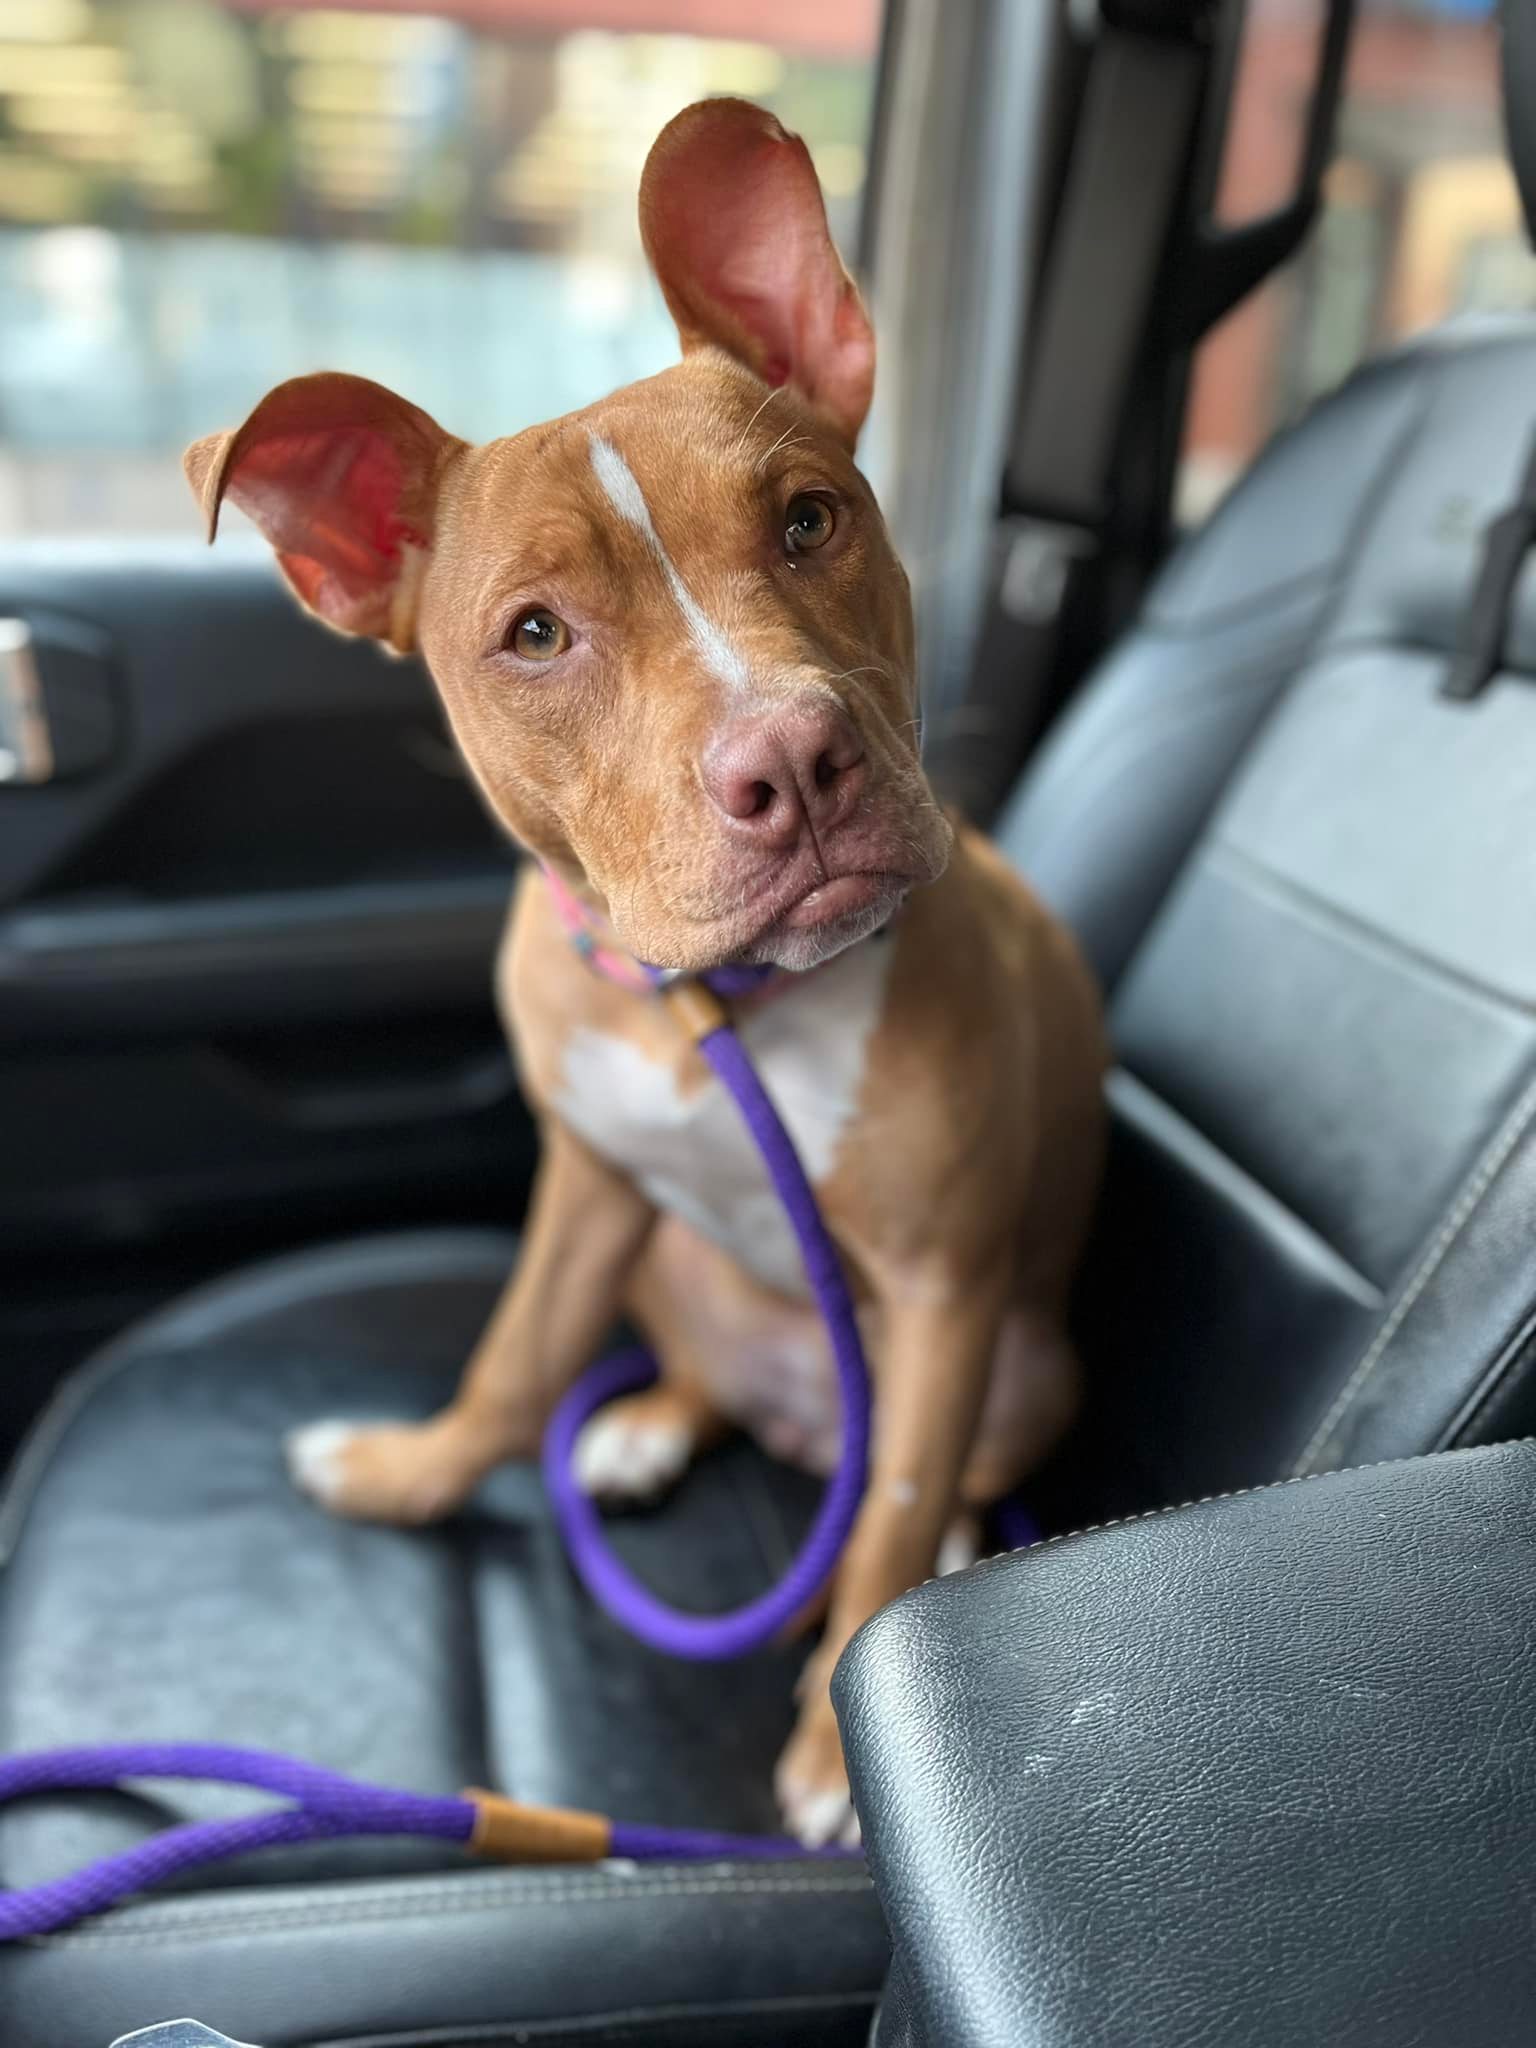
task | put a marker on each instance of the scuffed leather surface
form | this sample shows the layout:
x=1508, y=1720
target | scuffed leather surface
x=1305, y=879
x=164, y=1580
x=1261, y=1770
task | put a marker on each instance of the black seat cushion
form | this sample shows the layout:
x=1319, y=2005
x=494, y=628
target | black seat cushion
x=162, y=1579
x=1306, y=879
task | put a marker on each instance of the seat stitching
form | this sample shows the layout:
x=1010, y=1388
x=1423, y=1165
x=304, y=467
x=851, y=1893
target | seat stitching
x=529, y=1885
x=1206, y=1500
x=1492, y=1160
x=279, y=1918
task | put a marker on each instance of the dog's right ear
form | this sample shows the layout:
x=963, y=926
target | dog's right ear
x=342, y=477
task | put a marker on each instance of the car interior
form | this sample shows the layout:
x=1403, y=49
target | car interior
x=1207, y=437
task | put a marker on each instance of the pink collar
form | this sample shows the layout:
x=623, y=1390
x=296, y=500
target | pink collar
x=626, y=972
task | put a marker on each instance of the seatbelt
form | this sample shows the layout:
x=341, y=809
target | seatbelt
x=1134, y=143
x=1123, y=185
x=1479, y=650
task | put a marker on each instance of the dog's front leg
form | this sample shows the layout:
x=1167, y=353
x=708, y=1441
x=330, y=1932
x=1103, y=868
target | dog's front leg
x=586, y=1226
x=931, y=1376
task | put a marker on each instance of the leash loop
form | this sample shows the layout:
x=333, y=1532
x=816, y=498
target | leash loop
x=715, y=1637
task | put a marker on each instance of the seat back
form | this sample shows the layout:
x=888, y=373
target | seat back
x=1308, y=881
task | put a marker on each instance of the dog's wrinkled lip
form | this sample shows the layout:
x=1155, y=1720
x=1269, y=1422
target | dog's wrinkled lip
x=849, y=900
x=807, y=903
x=840, y=896
x=833, y=877
x=811, y=912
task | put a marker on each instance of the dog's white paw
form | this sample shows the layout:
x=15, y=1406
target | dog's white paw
x=818, y=1819
x=961, y=1546
x=809, y=1782
x=315, y=1456
x=624, y=1457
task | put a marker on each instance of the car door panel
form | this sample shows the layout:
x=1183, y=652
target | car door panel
x=246, y=932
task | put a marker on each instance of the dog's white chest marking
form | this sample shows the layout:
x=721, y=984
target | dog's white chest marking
x=692, y=1153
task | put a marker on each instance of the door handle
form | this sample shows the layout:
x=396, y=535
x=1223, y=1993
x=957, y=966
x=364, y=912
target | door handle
x=26, y=741
x=58, y=703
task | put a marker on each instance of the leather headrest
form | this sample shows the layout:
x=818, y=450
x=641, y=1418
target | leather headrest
x=1519, y=26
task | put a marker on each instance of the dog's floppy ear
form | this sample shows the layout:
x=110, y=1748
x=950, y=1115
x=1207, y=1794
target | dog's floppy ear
x=732, y=219
x=342, y=477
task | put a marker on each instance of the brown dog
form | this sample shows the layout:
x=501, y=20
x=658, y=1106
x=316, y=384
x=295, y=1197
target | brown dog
x=676, y=649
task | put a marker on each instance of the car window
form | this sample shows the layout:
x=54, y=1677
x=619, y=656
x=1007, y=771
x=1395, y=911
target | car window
x=1421, y=221
x=198, y=200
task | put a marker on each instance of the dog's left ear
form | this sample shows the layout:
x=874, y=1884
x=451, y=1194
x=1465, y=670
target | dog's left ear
x=732, y=219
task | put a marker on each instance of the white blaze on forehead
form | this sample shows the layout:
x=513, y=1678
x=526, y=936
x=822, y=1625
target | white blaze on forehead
x=624, y=494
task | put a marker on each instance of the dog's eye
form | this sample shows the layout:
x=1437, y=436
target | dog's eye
x=808, y=524
x=537, y=635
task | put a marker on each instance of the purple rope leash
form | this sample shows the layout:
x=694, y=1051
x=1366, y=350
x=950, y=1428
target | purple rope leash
x=325, y=1805
x=711, y=1637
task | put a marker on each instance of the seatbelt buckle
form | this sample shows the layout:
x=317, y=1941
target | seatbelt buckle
x=1038, y=557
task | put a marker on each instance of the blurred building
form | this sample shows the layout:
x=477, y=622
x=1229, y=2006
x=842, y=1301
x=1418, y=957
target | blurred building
x=199, y=197
x=1422, y=218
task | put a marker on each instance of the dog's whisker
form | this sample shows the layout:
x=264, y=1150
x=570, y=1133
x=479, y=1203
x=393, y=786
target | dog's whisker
x=788, y=436
x=741, y=445
x=872, y=668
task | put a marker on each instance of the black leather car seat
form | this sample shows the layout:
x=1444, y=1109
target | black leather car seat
x=161, y=1576
x=1309, y=882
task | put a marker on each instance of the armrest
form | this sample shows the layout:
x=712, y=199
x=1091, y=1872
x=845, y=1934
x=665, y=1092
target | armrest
x=1257, y=1771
